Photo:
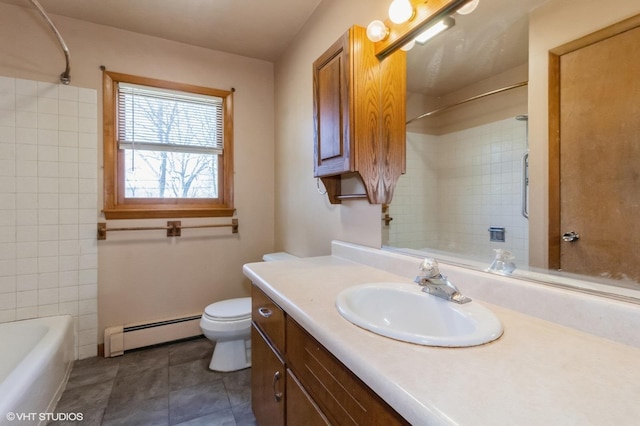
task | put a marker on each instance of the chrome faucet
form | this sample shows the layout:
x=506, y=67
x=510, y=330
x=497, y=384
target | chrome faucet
x=436, y=284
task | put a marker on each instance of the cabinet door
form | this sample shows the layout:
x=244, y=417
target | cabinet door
x=341, y=396
x=267, y=382
x=269, y=318
x=301, y=410
x=332, y=150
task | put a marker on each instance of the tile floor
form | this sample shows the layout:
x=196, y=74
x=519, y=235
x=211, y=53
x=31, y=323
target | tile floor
x=164, y=385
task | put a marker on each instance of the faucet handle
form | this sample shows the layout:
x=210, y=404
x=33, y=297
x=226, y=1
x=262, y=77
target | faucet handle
x=429, y=268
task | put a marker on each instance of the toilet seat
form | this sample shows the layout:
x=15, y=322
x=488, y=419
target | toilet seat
x=229, y=310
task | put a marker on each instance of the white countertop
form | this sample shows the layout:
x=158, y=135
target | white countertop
x=537, y=373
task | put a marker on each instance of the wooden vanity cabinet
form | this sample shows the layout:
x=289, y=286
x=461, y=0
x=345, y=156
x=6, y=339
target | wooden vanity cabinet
x=339, y=394
x=359, y=108
x=295, y=380
x=268, y=382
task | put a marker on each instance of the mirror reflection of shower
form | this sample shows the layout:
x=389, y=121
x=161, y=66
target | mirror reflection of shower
x=463, y=192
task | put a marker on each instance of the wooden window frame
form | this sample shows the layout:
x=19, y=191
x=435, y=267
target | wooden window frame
x=116, y=206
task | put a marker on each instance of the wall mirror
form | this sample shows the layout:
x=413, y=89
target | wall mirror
x=466, y=190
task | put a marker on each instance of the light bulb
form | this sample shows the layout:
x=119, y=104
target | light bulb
x=469, y=7
x=377, y=31
x=400, y=11
x=408, y=46
x=435, y=29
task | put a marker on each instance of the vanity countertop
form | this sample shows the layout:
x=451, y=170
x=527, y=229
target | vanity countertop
x=537, y=373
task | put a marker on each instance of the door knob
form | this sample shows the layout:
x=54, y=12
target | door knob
x=570, y=237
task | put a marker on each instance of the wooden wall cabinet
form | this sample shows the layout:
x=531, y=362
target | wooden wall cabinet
x=359, y=108
x=295, y=380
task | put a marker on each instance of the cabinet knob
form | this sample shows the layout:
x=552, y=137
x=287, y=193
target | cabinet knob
x=265, y=312
x=277, y=396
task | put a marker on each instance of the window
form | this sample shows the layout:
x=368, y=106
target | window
x=168, y=149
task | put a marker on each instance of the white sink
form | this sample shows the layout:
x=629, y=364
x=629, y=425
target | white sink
x=402, y=311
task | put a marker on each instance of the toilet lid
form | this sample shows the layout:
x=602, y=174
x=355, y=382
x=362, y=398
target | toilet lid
x=231, y=309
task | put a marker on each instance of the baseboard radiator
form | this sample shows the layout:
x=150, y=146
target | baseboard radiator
x=120, y=338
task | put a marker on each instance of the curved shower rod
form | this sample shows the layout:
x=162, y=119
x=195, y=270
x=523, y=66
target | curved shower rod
x=65, y=77
x=473, y=98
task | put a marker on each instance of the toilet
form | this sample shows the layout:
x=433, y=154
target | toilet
x=228, y=324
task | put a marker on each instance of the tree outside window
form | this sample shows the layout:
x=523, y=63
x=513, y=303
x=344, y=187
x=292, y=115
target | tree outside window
x=171, y=149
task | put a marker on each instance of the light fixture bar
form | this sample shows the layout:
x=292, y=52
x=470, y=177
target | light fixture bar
x=435, y=29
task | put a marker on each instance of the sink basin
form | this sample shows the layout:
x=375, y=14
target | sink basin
x=402, y=311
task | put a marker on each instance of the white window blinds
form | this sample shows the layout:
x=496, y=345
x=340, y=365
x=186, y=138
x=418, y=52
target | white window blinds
x=156, y=119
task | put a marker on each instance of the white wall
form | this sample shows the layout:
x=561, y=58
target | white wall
x=305, y=221
x=48, y=250
x=143, y=275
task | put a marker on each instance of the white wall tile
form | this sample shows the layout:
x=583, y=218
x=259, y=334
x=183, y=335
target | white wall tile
x=68, y=93
x=8, y=234
x=69, y=278
x=26, y=152
x=7, y=250
x=48, y=136
x=69, y=294
x=68, y=123
x=26, y=136
x=69, y=308
x=26, y=313
x=7, y=168
x=89, y=306
x=69, y=139
x=47, y=90
x=26, y=168
x=87, y=351
x=27, y=282
x=27, y=298
x=87, y=125
x=8, y=284
x=68, y=108
x=48, y=121
x=48, y=248
x=7, y=315
x=48, y=310
x=7, y=134
x=88, y=276
x=8, y=301
x=26, y=119
x=48, y=157
x=26, y=266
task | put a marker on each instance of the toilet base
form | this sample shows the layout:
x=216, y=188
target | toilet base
x=231, y=355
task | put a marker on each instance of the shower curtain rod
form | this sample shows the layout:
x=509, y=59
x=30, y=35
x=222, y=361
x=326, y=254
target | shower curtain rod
x=473, y=98
x=65, y=77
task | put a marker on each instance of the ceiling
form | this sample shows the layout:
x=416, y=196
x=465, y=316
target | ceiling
x=257, y=29
x=492, y=39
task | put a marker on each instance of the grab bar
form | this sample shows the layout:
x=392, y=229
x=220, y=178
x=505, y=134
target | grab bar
x=525, y=185
x=65, y=77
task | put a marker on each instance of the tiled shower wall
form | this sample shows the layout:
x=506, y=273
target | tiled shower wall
x=48, y=204
x=457, y=186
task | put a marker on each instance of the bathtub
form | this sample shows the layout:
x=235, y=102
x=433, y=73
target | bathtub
x=35, y=362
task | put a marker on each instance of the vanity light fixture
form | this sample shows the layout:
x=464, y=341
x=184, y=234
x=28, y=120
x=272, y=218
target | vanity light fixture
x=377, y=31
x=401, y=11
x=435, y=29
x=407, y=47
x=468, y=8
x=399, y=31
